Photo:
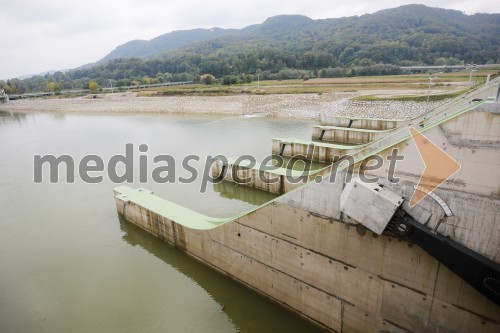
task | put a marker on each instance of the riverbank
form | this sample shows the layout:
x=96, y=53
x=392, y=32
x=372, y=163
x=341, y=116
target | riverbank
x=305, y=106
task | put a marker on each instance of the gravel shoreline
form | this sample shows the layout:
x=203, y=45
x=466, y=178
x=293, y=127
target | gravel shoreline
x=305, y=106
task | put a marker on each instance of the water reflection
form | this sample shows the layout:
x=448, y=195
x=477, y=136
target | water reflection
x=248, y=310
x=11, y=117
x=65, y=266
x=297, y=163
x=230, y=190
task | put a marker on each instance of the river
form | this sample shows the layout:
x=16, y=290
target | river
x=69, y=264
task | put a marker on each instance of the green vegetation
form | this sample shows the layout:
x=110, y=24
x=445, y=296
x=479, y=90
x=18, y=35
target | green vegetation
x=293, y=47
x=422, y=98
x=52, y=86
x=195, y=90
x=417, y=82
x=204, y=90
x=93, y=87
x=208, y=79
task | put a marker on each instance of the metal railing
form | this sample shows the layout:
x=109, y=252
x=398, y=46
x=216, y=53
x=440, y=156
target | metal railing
x=455, y=107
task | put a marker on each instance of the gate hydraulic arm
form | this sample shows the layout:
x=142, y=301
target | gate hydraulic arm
x=480, y=272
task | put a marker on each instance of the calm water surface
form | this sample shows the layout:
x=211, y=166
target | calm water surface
x=69, y=264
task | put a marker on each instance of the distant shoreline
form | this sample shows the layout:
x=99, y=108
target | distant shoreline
x=303, y=106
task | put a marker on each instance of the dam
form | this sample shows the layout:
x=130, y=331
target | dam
x=309, y=249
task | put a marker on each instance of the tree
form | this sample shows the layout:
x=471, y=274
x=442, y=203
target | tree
x=229, y=79
x=11, y=87
x=148, y=80
x=440, y=61
x=249, y=78
x=52, y=86
x=93, y=87
x=403, y=36
x=208, y=79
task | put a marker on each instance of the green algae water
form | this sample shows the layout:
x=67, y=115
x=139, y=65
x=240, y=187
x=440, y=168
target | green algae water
x=68, y=263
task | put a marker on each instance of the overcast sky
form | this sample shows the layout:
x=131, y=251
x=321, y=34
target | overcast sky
x=38, y=36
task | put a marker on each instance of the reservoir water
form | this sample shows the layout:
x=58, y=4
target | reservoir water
x=69, y=264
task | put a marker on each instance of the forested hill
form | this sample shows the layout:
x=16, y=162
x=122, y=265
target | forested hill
x=167, y=42
x=385, y=36
x=290, y=46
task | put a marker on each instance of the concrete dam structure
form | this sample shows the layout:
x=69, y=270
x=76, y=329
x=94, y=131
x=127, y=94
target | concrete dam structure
x=353, y=256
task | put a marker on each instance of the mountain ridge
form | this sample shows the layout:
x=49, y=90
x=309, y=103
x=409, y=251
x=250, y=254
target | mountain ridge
x=280, y=26
x=295, y=46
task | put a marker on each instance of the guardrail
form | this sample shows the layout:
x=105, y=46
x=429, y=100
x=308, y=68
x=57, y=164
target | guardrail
x=86, y=91
x=142, y=86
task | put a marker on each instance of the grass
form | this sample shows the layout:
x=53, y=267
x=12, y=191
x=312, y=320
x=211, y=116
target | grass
x=217, y=90
x=406, y=98
x=191, y=90
x=285, y=88
x=273, y=83
x=293, y=90
x=332, y=85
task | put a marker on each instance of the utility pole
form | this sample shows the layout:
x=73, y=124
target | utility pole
x=429, y=90
x=472, y=69
x=111, y=83
x=258, y=78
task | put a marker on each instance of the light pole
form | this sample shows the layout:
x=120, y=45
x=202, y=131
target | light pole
x=472, y=69
x=429, y=90
x=258, y=78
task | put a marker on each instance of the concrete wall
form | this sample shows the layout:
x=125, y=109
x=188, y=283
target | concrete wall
x=321, y=153
x=259, y=179
x=269, y=181
x=345, y=135
x=473, y=193
x=373, y=124
x=304, y=253
x=331, y=271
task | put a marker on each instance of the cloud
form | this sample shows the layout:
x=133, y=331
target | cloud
x=57, y=34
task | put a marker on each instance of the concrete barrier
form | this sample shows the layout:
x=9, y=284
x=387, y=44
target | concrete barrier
x=302, y=251
x=314, y=151
x=277, y=180
x=362, y=123
x=333, y=272
x=346, y=135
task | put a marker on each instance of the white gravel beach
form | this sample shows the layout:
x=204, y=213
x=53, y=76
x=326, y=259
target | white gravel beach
x=307, y=106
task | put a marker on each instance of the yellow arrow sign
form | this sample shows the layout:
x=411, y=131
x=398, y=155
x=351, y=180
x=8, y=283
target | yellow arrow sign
x=439, y=166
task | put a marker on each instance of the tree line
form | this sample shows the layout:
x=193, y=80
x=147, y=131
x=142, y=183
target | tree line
x=296, y=47
x=227, y=69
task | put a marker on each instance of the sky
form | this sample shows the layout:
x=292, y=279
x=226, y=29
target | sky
x=39, y=36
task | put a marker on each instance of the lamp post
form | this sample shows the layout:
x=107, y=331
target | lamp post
x=258, y=78
x=472, y=69
x=429, y=90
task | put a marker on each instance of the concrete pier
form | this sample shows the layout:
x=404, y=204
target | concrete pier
x=314, y=151
x=362, y=123
x=277, y=180
x=347, y=135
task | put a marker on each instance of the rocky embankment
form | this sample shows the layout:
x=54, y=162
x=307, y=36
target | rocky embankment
x=283, y=105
